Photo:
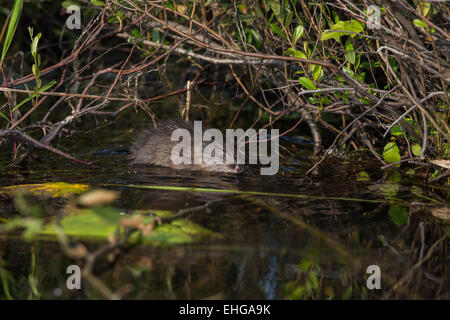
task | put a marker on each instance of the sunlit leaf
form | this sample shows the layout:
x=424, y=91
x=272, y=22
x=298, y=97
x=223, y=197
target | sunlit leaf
x=420, y=23
x=298, y=33
x=307, y=83
x=342, y=28
x=12, y=26
x=391, y=153
x=416, y=149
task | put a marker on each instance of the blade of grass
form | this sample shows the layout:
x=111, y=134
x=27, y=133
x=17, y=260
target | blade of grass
x=44, y=88
x=256, y=193
x=12, y=26
x=3, y=115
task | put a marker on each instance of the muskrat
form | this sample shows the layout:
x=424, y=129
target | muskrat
x=154, y=146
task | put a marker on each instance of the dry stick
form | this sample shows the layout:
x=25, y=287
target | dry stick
x=428, y=22
x=120, y=71
x=348, y=126
x=18, y=135
x=441, y=176
x=259, y=59
x=68, y=95
x=411, y=109
x=411, y=98
x=249, y=94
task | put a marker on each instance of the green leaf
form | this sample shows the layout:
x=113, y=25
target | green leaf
x=396, y=131
x=317, y=73
x=420, y=23
x=350, y=56
x=34, y=44
x=298, y=33
x=399, y=215
x=425, y=8
x=391, y=153
x=298, y=293
x=276, y=29
x=136, y=33
x=275, y=6
x=295, y=53
x=416, y=149
x=98, y=3
x=5, y=117
x=156, y=36
x=305, y=264
x=313, y=280
x=12, y=26
x=362, y=176
x=69, y=3
x=342, y=28
x=256, y=36
x=44, y=88
x=349, y=52
x=348, y=71
x=288, y=19
x=307, y=83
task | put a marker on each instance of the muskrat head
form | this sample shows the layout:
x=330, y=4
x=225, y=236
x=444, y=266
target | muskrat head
x=158, y=146
x=224, y=161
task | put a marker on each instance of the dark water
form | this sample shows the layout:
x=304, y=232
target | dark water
x=314, y=239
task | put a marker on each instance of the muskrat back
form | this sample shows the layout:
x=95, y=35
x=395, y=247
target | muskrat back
x=154, y=147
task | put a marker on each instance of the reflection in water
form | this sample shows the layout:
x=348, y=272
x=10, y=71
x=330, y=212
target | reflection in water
x=274, y=247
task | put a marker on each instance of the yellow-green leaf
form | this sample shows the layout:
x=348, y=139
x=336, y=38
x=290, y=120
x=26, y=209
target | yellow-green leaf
x=391, y=153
